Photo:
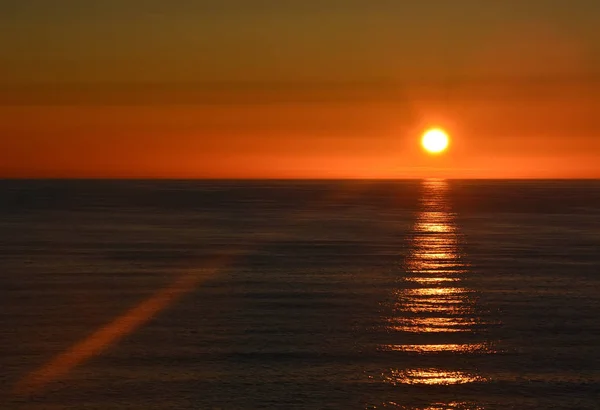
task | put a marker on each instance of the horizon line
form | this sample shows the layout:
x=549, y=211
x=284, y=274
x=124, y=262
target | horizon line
x=225, y=179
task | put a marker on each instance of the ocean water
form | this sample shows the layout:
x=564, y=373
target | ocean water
x=300, y=294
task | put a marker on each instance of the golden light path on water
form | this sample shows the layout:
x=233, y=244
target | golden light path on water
x=430, y=376
x=436, y=348
x=453, y=405
x=433, y=302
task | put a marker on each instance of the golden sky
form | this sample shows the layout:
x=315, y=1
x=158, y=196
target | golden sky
x=299, y=89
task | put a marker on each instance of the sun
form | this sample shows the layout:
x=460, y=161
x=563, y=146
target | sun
x=435, y=140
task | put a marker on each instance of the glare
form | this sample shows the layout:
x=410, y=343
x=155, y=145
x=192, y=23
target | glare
x=431, y=377
x=435, y=140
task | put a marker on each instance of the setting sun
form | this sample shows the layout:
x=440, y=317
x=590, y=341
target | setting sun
x=435, y=141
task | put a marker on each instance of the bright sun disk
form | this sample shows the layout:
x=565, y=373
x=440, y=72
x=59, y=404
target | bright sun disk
x=435, y=141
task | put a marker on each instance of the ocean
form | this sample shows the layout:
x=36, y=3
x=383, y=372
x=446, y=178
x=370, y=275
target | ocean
x=433, y=294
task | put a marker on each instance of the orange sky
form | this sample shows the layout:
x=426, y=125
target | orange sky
x=342, y=91
x=372, y=135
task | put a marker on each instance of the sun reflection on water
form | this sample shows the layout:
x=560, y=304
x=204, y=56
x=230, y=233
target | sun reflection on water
x=430, y=280
x=453, y=405
x=439, y=348
x=433, y=300
x=431, y=377
x=435, y=291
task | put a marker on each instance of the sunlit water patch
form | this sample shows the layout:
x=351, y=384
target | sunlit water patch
x=431, y=377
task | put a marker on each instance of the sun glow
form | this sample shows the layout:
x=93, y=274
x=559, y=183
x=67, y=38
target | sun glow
x=435, y=141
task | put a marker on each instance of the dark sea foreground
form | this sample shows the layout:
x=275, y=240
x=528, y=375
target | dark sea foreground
x=310, y=295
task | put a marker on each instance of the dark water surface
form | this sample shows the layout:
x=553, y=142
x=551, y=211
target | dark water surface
x=311, y=295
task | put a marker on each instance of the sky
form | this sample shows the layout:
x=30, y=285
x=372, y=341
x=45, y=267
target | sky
x=299, y=89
